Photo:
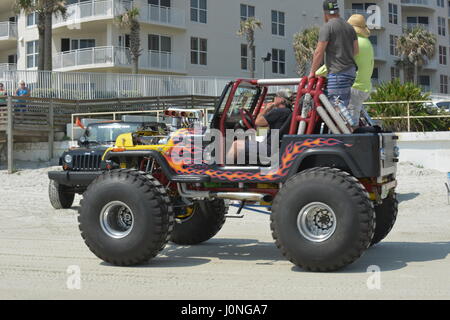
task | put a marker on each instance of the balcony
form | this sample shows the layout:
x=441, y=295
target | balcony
x=349, y=12
x=411, y=26
x=109, y=9
x=8, y=67
x=8, y=31
x=419, y=4
x=430, y=65
x=118, y=57
x=379, y=53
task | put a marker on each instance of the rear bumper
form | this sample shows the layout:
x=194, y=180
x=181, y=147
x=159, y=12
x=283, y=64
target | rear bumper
x=73, y=179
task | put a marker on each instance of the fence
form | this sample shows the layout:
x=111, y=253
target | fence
x=442, y=114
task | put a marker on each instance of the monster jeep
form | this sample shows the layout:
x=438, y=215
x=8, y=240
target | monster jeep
x=83, y=164
x=331, y=194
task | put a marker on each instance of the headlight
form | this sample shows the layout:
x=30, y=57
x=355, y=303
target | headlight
x=68, y=158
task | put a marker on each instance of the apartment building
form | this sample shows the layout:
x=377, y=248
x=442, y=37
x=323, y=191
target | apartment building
x=397, y=16
x=198, y=37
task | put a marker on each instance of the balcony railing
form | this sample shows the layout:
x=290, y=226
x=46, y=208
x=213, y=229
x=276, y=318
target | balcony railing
x=379, y=54
x=8, y=67
x=101, y=57
x=109, y=9
x=417, y=3
x=163, y=15
x=8, y=30
x=411, y=26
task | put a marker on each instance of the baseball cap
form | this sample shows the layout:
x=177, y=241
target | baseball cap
x=330, y=6
x=284, y=93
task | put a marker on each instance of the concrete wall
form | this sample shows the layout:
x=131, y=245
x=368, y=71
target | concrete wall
x=430, y=150
x=38, y=151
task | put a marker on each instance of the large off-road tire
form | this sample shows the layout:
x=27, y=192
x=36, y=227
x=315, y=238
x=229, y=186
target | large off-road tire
x=59, y=197
x=125, y=217
x=386, y=214
x=205, y=222
x=322, y=219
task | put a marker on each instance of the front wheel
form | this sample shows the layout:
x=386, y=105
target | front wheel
x=322, y=219
x=59, y=197
x=125, y=217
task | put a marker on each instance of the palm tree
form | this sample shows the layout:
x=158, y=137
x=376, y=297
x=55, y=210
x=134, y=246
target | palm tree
x=129, y=20
x=305, y=43
x=247, y=29
x=52, y=8
x=417, y=46
x=44, y=9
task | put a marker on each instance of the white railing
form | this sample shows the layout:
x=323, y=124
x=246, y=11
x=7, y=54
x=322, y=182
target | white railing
x=410, y=26
x=119, y=56
x=109, y=9
x=8, y=30
x=8, y=67
x=163, y=15
x=92, y=57
x=379, y=53
x=165, y=61
x=416, y=2
x=95, y=85
x=92, y=10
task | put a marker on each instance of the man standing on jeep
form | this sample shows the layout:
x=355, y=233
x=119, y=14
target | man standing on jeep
x=338, y=44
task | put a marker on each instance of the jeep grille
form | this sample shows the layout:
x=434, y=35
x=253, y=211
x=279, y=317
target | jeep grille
x=86, y=162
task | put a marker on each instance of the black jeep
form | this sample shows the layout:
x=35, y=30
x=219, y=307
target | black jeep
x=83, y=163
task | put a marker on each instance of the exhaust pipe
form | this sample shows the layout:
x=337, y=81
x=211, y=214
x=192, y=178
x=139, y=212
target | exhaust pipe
x=305, y=109
x=326, y=118
x=241, y=196
x=334, y=114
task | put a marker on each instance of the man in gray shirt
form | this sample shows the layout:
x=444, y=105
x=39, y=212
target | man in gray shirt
x=338, y=43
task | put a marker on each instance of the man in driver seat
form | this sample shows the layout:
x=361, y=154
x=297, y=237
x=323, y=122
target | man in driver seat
x=273, y=116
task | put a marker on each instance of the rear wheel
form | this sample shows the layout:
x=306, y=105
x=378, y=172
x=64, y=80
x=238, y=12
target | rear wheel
x=58, y=195
x=386, y=215
x=125, y=217
x=202, y=221
x=322, y=219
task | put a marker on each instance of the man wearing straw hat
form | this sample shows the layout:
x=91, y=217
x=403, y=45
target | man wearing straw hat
x=362, y=87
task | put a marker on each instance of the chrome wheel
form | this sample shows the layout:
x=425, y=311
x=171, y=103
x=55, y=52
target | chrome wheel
x=316, y=222
x=116, y=219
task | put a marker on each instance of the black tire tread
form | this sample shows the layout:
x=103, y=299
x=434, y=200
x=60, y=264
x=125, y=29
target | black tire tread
x=58, y=198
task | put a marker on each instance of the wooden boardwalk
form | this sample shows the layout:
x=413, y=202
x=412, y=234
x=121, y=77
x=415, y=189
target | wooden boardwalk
x=23, y=118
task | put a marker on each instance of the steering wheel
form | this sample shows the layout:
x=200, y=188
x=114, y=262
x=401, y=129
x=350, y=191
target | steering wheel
x=247, y=119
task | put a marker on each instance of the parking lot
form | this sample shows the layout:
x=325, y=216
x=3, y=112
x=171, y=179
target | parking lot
x=39, y=245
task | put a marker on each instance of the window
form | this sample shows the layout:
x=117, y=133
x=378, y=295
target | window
x=247, y=12
x=393, y=45
x=278, y=61
x=395, y=73
x=443, y=55
x=444, y=84
x=199, y=51
x=159, y=43
x=159, y=3
x=441, y=3
x=245, y=57
x=393, y=13
x=124, y=41
x=278, y=23
x=425, y=82
x=12, y=58
x=32, y=54
x=441, y=26
x=198, y=11
x=32, y=19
